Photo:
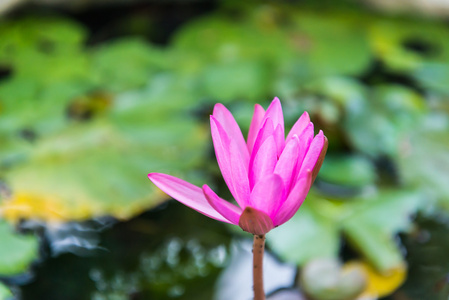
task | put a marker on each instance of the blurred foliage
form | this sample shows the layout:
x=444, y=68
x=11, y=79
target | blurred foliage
x=5, y=293
x=16, y=252
x=81, y=126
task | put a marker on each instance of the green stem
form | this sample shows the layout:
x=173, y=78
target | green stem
x=258, y=249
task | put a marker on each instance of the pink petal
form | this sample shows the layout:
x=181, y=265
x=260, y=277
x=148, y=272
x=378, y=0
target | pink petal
x=299, y=126
x=239, y=173
x=267, y=194
x=280, y=139
x=265, y=131
x=320, y=160
x=226, y=209
x=186, y=193
x=231, y=163
x=313, y=153
x=221, y=145
x=305, y=140
x=255, y=221
x=263, y=161
x=227, y=121
x=287, y=162
x=255, y=126
x=294, y=199
x=274, y=112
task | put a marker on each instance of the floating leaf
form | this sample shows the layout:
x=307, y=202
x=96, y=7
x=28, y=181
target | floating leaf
x=332, y=44
x=127, y=63
x=318, y=237
x=348, y=170
x=17, y=251
x=100, y=168
x=5, y=293
x=372, y=225
x=425, y=160
x=378, y=125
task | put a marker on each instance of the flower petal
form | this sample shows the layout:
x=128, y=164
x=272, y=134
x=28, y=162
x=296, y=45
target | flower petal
x=186, y=193
x=314, y=152
x=232, y=165
x=305, y=139
x=262, y=162
x=232, y=129
x=294, y=199
x=320, y=160
x=225, y=208
x=221, y=145
x=265, y=131
x=255, y=221
x=287, y=162
x=256, y=123
x=274, y=112
x=239, y=173
x=280, y=139
x=267, y=194
x=299, y=126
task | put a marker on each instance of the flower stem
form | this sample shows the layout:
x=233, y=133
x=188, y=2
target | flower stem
x=258, y=249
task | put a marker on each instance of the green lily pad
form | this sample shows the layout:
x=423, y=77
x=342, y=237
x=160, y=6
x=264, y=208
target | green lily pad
x=100, y=167
x=16, y=253
x=348, y=170
x=332, y=44
x=127, y=63
x=377, y=125
x=372, y=225
x=5, y=293
x=308, y=235
x=425, y=162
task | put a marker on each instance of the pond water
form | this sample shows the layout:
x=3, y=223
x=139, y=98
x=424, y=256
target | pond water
x=172, y=252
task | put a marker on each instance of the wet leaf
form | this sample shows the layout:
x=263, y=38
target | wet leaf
x=332, y=44
x=5, y=293
x=379, y=124
x=17, y=251
x=424, y=160
x=374, y=222
x=348, y=170
x=318, y=237
x=127, y=63
x=100, y=168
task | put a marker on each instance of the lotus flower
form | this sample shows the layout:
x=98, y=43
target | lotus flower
x=268, y=175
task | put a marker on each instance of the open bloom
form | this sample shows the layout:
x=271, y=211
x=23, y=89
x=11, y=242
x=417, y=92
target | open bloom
x=268, y=175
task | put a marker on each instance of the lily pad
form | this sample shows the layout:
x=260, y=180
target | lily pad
x=373, y=224
x=5, y=293
x=318, y=236
x=100, y=167
x=17, y=251
x=348, y=170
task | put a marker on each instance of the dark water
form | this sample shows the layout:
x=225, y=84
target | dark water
x=172, y=252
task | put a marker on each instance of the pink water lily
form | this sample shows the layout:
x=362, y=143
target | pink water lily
x=268, y=175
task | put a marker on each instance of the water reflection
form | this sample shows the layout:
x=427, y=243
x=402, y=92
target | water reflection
x=236, y=280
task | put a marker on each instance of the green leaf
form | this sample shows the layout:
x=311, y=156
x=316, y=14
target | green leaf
x=5, y=293
x=373, y=224
x=348, y=170
x=308, y=235
x=17, y=251
x=127, y=63
x=378, y=125
x=332, y=44
x=227, y=82
x=424, y=163
x=101, y=169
